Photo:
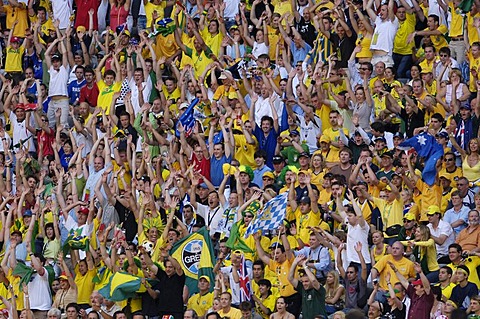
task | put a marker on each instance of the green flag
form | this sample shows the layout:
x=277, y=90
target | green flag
x=122, y=286
x=195, y=254
x=24, y=272
x=235, y=240
x=466, y=6
x=76, y=241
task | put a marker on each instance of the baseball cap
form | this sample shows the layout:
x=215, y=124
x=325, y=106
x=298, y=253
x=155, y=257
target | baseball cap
x=433, y=209
x=184, y=105
x=389, y=154
x=381, y=139
x=409, y=216
x=56, y=56
x=466, y=105
x=294, y=132
x=387, y=294
x=442, y=134
x=81, y=28
x=303, y=154
x=203, y=185
x=305, y=200
x=27, y=213
x=278, y=159
x=303, y=171
x=205, y=277
x=325, y=139
x=15, y=40
x=84, y=210
x=398, y=135
x=224, y=74
x=269, y=175
x=63, y=276
x=417, y=282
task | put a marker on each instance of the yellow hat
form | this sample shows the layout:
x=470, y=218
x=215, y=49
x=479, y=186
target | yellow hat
x=409, y=216
x=433, y=209
x=269, y=175
x=388, y=188
x=228, y=169
x=81, y=28
x=205, y=277
x=324, y=138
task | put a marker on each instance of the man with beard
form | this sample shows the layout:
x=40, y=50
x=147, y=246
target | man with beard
x=469, y=238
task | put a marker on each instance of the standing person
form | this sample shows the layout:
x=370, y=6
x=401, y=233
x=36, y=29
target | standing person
x=419, y=291
x=171, y=299
x=386, y=25
x=280, y=264
x=313, y=293
x=57, y=90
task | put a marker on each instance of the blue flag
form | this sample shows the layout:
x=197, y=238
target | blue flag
x=427, y=147
x=271, y=216
x=187, y=119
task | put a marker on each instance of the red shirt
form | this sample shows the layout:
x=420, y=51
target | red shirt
x=203, y=166
x=46, y=139
x=89, y=95
x=81, y=15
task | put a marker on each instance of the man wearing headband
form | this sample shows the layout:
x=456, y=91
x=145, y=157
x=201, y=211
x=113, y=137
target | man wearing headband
x=464, y=290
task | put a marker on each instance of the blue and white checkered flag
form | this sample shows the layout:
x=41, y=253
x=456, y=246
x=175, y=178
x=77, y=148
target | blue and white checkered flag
x=271, y=216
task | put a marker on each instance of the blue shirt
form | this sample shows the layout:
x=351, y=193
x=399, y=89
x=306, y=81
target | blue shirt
x=266, y=143
x=74, y=90
x=258, y=175
x=451, y=216
x=299, y=54
x=216, y=172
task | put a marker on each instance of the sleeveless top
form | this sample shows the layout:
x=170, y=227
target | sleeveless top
x=365, y=44
x=383, y=253
x=471, y=173
x=118, y=16
x=448, y=93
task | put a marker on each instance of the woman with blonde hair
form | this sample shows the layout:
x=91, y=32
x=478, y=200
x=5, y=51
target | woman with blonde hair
x=379, y=248
x=424, y=252
x=470, y=158
x=334, y=293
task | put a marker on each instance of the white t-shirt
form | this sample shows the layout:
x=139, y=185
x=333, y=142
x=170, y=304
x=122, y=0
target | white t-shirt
x=384, y=34
x=134, y=91
x=62, y=10
x=58, y=82
x=443, y=228
x=356, y=234
x=212, y=217
x=40, y=296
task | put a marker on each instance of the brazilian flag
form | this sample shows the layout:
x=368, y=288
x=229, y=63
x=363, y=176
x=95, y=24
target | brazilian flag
x=75, y=241
x=195, y=254
x=465, y=6
x=122, y=286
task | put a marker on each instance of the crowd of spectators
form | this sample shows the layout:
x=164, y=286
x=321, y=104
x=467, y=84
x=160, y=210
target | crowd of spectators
x=128, y=125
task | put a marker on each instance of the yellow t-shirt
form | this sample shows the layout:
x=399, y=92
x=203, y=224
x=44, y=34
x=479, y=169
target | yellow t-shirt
x=268, y=302
x=456, y=23
x=472, y=263
x=243, y=151
x=324, y=114
x=474, y=63
x=439, y=41
x=19, y=14
x=151, y=7
x=281, y=270
x=447, y=291
x=404, y=266
x=214, y=42
x=400, y=45
x=232, y=314
x=200, y=303
x=334, y=136
x=13, y=62
x=85, y=285
x=392, y=213
x=105, y=96
x=431, y=195
x=471, y=29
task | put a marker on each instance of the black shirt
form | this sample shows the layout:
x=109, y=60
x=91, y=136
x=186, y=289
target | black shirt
x=412, y=121
x=307, y=31
x=127, y=219
x=344, y=47
x=171, y=296
x=150, y=306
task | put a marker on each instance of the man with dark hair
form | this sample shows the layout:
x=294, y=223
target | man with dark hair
x=445, y=283
x=119, y=315
x=227, y=309
x=464, y=289
x=89, y=92
x=171, y=299
x=72, y=310
x=458, y=258
x=312, y=292
x=246, y=310
x=264, y=299
x=260, y=157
